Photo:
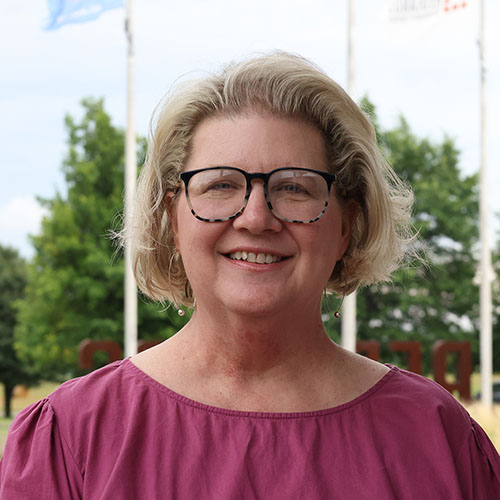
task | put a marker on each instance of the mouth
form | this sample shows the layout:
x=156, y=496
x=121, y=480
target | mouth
x=257, y=258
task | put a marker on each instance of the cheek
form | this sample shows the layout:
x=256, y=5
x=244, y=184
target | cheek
x=329, y=241
x=195, y=239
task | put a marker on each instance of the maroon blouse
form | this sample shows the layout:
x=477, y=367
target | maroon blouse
x=118, y=434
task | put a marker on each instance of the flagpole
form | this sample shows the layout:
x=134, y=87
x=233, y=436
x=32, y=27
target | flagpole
x=485, y=336
x=130, y=302
x=348, y=335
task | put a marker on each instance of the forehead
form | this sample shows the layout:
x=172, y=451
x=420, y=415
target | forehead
x=257, y=142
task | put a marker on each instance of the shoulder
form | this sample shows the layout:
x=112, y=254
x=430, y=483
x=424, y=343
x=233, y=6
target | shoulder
x=101, y=402
x=415, y=404
x=422, y=433
x=85, y=398
x=407, y=388
x=78, y=396
x=113, y=379
x=102, y=408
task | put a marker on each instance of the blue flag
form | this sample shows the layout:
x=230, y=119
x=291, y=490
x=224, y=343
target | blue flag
x=63, y=12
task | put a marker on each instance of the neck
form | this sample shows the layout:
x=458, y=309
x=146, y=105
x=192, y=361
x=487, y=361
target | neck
x=250, y=348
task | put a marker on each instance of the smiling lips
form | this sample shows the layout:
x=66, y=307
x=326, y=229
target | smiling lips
x=258, y=258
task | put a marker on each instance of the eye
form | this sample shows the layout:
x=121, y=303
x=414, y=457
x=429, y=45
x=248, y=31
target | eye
x=291, y=188
x=219, y=188
x=223, y=185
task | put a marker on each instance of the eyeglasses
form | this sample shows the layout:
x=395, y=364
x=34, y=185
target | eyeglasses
x=293, y=194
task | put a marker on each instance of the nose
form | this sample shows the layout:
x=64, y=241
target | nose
x=257, y=216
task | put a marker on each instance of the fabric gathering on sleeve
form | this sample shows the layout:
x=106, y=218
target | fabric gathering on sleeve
x=478, y=466
x=37, y=464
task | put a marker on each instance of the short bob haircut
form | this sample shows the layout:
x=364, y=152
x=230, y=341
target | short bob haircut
x=285, y=85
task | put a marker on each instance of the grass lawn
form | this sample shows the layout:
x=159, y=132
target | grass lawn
x=489, y=420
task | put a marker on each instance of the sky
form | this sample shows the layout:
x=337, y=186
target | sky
x=426, y=70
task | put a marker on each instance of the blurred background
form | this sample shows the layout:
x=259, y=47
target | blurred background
x=63, y=108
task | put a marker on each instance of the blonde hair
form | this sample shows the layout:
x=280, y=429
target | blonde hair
x=289, y=86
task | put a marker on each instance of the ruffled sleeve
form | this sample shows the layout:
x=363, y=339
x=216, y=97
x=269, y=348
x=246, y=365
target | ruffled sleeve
x=478, y=466
x=37, y=463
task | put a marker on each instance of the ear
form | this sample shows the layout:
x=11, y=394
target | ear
x=170, y=207
x=350, y=210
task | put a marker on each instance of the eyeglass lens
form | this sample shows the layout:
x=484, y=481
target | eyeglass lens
x=295, y=195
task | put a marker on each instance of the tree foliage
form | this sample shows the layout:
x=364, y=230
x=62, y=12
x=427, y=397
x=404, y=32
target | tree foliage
x=75, y=282
x=12, y=283
x=438, y=300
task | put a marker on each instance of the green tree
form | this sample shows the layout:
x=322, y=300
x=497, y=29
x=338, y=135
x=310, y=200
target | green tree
x=12, y=283
x=75, y=282
x=437, y=301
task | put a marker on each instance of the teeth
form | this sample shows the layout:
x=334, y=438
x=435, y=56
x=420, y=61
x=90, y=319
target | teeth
x=260, y=258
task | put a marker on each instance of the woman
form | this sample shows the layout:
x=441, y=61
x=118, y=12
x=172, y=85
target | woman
x=263, y=189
